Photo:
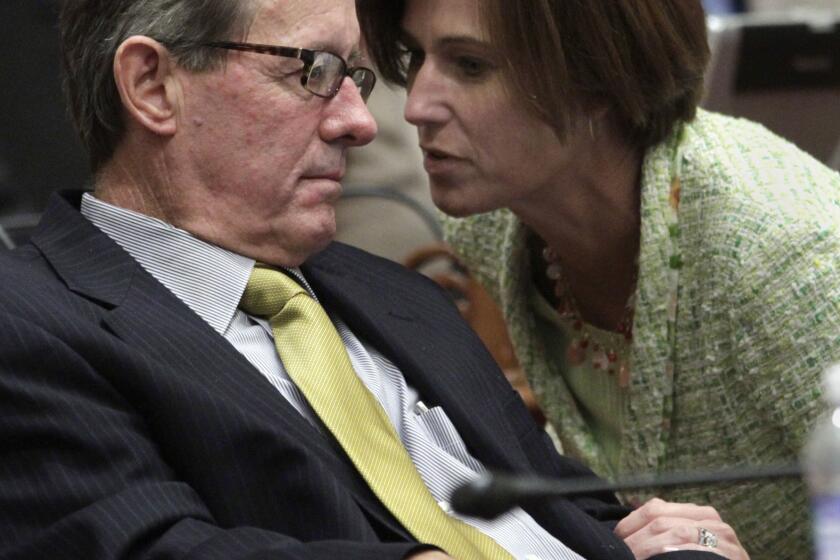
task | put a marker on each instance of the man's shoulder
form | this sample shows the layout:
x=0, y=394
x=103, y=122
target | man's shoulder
x=32, y=293
x=342, y=273
x=345, y=259
x=24, y=268
x=25, y=273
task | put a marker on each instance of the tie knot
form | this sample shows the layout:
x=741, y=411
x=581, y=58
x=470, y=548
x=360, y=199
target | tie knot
x=268, y=291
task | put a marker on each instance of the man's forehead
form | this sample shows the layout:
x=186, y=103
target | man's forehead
x=317, y=23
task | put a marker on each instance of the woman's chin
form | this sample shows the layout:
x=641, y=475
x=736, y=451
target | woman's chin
x=455, y=206
x=460, y=208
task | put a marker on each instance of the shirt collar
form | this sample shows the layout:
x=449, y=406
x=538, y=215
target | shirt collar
x=209, y=279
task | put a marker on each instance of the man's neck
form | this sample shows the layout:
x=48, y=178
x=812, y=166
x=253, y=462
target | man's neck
x=125, y=184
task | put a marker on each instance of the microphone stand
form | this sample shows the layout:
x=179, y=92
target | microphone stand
x=491, y=494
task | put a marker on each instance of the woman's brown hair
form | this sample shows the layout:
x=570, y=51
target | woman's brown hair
x=643, y=59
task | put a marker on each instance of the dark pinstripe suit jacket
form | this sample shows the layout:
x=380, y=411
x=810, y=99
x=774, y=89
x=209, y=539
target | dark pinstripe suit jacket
x=130, y=429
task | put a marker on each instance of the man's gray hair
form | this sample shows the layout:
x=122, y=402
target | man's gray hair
x=93, y=30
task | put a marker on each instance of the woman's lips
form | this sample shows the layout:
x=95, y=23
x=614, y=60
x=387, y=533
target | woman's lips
x=438, y=161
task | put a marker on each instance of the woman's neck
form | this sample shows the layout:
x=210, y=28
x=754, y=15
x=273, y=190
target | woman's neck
x=590, y=216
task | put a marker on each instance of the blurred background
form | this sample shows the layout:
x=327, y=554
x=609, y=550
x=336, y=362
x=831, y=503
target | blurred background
x=774, y=61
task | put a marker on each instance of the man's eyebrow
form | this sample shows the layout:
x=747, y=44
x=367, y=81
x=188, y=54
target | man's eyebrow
x=356, y=56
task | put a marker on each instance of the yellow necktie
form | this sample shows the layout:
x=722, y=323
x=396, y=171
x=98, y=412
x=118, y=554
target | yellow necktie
x=315, y=358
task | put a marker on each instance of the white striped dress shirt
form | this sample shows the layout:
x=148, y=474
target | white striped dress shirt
x=210, y=281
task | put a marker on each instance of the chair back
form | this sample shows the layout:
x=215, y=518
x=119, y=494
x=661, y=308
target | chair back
x=782, y=70
x=15, y=229
x=385, y=221
x=440, y=263
x=6, y=241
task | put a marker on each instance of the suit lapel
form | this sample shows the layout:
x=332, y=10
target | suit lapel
x=149, y=318
x=424, y=337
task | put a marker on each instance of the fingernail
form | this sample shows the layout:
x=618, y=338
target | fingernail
x=670, y=549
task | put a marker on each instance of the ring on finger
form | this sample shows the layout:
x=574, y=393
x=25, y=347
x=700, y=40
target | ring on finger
x=706, y=538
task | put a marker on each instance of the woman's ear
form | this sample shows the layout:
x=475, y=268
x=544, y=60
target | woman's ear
x=143, y=70
x=597, y=109
x=594, y=118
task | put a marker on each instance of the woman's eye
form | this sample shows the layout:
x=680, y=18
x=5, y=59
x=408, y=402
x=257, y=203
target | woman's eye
x=472, y=67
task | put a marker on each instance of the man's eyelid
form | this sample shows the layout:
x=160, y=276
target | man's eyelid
x=284, y=66
x=355, y=58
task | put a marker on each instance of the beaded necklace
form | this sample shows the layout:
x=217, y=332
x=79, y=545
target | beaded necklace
x=588, y=343
x=603, y=354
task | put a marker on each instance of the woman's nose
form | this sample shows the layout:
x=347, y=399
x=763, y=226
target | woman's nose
x=427, y=101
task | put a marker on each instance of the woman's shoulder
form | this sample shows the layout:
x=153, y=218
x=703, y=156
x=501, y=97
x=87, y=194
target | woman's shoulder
x=755, y=208
x=738, y=176
x=743, y=157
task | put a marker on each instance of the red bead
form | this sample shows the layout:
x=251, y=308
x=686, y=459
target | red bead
x=623, y=376
x=553, y=271
x=575, y=354
x=599, y=360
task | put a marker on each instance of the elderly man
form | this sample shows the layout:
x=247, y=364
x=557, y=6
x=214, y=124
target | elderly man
x=188, y=367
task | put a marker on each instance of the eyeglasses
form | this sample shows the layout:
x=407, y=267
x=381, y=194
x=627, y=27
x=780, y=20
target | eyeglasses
x=323, y=72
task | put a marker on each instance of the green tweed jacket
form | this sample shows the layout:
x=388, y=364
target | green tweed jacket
x=734, y=380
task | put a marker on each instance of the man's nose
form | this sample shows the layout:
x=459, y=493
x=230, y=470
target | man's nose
x=350, y=120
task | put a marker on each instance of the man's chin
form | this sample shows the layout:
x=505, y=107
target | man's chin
x=320, y=245
x=291, y=256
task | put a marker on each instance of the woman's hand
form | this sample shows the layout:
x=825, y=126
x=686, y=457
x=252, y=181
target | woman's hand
x=659, y=526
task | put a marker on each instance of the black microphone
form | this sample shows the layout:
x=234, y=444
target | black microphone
x=492, y=494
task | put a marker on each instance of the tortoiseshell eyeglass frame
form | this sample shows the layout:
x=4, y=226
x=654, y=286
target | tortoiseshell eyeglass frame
x=363, y=77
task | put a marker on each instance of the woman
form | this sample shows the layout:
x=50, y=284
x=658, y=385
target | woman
x=669, y=276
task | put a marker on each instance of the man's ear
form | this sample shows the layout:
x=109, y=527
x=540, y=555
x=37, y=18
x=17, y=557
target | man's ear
x=145, y=80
